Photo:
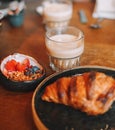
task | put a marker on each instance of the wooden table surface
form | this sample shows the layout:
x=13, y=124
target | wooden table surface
x=15, y=108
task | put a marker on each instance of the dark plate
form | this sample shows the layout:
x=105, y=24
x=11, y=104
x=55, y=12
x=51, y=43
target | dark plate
x=59, y=117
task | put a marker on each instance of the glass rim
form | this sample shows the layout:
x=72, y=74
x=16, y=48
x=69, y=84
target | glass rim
x=61, y=29
x=61, y=1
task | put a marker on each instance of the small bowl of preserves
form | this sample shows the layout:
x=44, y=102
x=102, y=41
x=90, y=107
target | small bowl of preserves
x=21, y=72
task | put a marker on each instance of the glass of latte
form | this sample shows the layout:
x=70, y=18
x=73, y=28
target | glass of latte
x=57, y=13
x=64, y=47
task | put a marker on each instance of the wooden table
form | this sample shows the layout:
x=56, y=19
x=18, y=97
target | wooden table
x=15, y=108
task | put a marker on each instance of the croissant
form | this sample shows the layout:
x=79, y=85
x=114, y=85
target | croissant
x=90, y=92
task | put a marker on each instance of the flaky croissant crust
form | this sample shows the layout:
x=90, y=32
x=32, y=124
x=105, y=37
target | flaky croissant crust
x=91, y=92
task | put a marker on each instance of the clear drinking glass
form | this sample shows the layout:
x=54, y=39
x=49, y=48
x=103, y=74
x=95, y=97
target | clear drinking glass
x=57, y=13
x=64, y=47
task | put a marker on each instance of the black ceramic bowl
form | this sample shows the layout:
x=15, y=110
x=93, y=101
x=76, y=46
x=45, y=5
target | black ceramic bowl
x=20, y=86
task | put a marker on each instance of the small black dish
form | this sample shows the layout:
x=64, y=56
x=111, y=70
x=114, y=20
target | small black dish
x=20, y=86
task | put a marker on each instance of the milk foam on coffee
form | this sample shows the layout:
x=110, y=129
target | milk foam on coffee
x=57, y=12
x=62, y=49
